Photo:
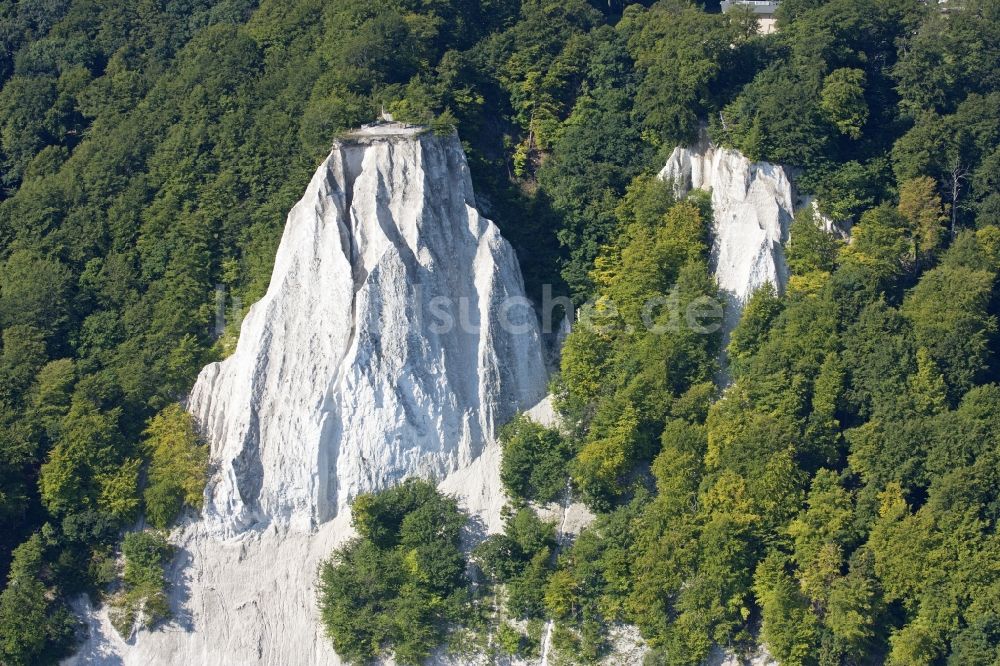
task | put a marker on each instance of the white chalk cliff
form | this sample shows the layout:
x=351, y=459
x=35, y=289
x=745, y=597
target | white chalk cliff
x=393, y=341
x=752, y=205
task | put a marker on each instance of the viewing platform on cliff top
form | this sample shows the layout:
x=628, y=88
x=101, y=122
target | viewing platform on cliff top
x=385, y=127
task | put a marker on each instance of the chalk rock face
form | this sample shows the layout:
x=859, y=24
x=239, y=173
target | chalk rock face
x=394, y=339
x=752, y=205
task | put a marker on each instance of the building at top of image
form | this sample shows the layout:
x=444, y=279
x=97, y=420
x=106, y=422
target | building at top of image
x=764, y=10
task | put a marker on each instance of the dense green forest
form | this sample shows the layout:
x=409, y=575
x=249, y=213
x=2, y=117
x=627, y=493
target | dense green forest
x=839, y=499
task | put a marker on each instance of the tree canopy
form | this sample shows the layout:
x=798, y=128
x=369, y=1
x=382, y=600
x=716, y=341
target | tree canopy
x=837, y=500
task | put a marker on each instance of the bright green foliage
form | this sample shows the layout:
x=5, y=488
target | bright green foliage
x=642, y=344
x=118, y=489
x=22, y=443
x=525, y=592
x=401, y=584
x=534, y=460
x=789, y=629
x=601, y=465
x=512, y=642
x=751, y=332
x=854, y=607
x=949, y=310
x=810, y=247
x=927, y=387
x=649, y=257
x=584, y=362
x=828, y=404
x=143, y=599
x=920, y=205
x=52, y=394
x=642, y=368
x=178, y=465
x=85, y=469
x=822, y=533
